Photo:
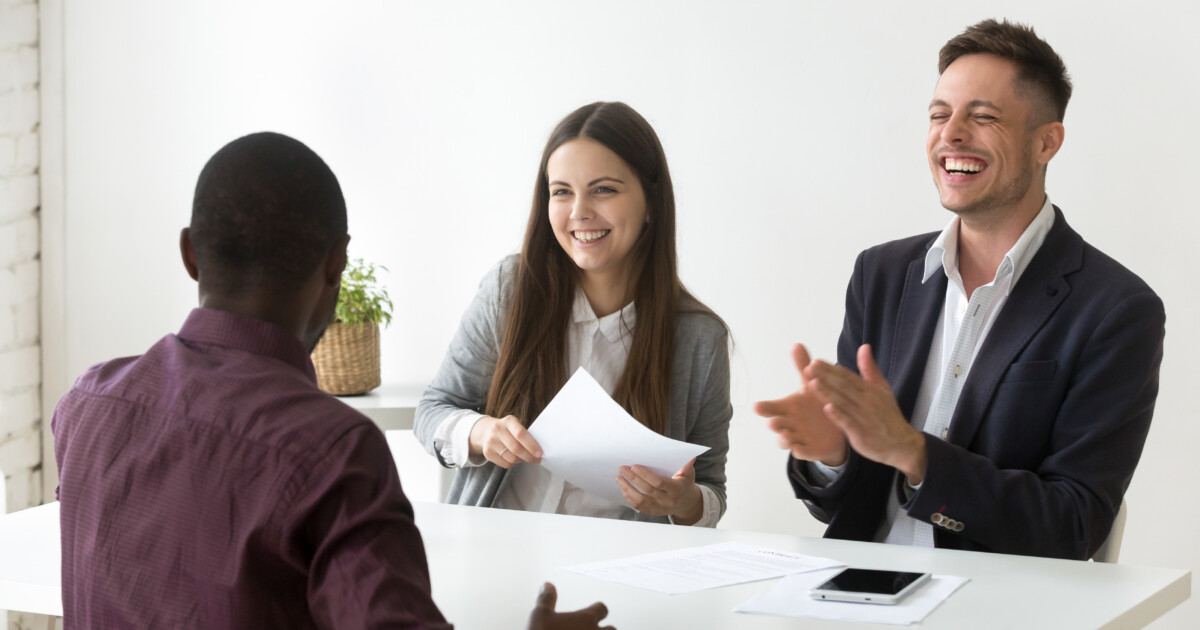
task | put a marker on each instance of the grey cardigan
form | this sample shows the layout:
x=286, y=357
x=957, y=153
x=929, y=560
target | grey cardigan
x=699, y=409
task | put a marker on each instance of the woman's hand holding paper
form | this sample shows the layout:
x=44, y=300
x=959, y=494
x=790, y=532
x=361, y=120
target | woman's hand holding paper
x=504, y=441
x=677, y=496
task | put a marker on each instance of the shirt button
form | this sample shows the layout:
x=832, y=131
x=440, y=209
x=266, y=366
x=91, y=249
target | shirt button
x=957, y=370
x=944, y=433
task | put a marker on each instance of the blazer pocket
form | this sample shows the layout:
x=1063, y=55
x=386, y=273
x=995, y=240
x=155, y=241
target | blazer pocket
x=1030, y=372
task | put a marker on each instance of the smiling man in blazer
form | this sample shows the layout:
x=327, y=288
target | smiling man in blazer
x=995, y=381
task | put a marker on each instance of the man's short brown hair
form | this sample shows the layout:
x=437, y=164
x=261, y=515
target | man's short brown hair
x=1041, y=74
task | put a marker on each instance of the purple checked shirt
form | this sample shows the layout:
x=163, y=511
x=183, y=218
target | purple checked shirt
x=209, y=484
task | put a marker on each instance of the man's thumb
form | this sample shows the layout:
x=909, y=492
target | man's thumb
x=547, y=597
x=867, y=368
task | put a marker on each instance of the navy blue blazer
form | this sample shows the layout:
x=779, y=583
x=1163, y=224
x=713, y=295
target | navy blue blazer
x=1051, y=420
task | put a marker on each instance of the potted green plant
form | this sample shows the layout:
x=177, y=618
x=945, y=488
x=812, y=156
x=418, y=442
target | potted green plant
x=347, y=357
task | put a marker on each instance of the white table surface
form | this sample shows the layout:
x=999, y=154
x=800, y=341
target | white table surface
x=512, y=553
x=31, y=561
x=487, y=565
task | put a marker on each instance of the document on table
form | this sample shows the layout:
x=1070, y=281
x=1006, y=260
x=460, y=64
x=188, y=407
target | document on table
x=586, y=437
x=700, y=568
x=789, y=598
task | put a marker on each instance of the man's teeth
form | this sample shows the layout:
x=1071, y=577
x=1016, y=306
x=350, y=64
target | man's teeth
x=963, y=166
x=588, y=237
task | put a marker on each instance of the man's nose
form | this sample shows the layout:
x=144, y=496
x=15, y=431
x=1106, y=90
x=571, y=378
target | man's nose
x=955, y=130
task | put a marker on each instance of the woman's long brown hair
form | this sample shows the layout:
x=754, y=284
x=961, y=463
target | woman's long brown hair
x=531, y=366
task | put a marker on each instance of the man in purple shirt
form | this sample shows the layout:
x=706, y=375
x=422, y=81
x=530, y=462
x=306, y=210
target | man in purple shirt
x=209, y=483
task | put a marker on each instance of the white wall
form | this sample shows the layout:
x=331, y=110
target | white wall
x=795, y=133
x=20, y=282
x=20, y=354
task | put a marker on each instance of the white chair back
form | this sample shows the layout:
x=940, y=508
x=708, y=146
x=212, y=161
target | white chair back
x=1111, y=548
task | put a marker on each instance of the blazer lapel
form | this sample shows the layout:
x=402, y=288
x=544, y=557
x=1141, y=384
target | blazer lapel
x=1038, y=293
x=915, y=324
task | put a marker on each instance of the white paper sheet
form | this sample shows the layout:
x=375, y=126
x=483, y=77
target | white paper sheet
x=586, y=437
x=789, y=598
x=700, y=568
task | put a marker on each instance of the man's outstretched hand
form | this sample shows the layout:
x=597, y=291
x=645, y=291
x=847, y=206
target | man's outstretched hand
x=543, y=616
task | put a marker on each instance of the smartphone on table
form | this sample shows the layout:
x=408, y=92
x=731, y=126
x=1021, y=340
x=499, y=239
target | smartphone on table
x=869, y=586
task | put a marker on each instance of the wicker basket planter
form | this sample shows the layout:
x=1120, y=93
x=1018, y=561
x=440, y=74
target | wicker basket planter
x=347, y=359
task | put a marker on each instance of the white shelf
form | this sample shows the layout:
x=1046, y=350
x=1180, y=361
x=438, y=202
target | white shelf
x=391, y=405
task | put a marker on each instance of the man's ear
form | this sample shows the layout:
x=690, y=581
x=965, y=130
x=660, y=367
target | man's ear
x=336, y=263
x=1048, y=141
x=189, y=254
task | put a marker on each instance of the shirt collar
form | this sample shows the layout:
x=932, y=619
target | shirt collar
x=212, y=327
x=943, y=254
x=615, y=326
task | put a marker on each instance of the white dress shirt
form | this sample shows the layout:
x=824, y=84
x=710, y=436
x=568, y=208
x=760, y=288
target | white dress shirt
x=601, y=346
x=962, y=326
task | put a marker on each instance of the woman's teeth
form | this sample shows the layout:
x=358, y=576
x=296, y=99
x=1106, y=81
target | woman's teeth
x=588, y=237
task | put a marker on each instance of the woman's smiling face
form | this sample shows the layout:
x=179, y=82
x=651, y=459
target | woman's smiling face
x=597, y=206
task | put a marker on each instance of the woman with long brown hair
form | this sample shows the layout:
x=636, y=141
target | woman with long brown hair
x=595, y=286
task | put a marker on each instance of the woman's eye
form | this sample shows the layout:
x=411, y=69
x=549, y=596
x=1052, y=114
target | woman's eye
x=605, y=190
x=559, y=192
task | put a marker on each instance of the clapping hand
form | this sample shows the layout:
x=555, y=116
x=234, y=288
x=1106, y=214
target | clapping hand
x=801, y=422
